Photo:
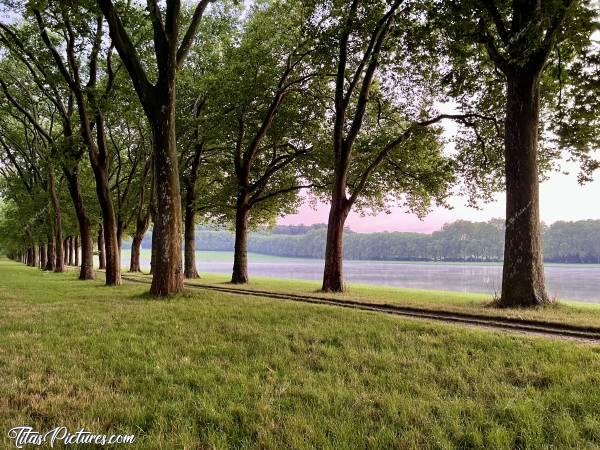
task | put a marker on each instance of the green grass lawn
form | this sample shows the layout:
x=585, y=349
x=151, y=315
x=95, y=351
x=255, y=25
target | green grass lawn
x=577, y=313
x=211, y=370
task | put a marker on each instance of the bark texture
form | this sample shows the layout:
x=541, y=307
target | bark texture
x=50, y=256
x=333, y=273
x=43, y=257
x=158, y=101
x=167, y=273
x=523, y=271
x=240, y=258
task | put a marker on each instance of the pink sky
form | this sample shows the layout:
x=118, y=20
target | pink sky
x=561, y=198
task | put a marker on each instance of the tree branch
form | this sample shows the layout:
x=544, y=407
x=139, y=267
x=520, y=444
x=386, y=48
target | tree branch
x=128, y=54
x=188, y=38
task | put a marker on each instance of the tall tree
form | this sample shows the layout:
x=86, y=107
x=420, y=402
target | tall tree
x=268, y=118
x=384, y=143
x=521, y=48
x=158, y=101
x=18, y=40
x=88, y=100
x=43, y=143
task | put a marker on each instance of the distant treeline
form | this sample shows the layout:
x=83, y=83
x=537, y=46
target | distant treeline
x=564, y=242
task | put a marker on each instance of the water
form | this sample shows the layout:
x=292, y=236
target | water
x=565, y=282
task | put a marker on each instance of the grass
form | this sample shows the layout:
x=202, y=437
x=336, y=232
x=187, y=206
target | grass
x=576, y=313
x=211, y=370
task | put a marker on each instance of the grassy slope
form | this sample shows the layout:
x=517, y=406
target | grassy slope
x=212, y=370
x=579, y=313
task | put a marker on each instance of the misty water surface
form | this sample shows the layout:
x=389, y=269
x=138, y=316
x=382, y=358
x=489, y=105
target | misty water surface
x=566, y=282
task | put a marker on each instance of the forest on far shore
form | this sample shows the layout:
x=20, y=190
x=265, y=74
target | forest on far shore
x=564, y=242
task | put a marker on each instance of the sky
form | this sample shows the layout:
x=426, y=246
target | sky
x=561, y=198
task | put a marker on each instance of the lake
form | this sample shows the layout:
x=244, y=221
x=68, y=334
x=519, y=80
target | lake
x=563, y=281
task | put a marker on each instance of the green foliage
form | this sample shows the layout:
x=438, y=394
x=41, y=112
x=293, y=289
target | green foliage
x=469, y=33
x=392, y=76
x=259, y=117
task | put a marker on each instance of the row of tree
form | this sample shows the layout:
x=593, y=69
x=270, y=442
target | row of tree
x=116, y=116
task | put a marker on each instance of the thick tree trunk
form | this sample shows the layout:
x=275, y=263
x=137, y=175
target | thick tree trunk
x=136, y=244
x=167, y=273
x=333, y=274
x=59, y=265
x=86, y=271
x=50, y=256
x=523, y=272
x=43, y=259
x=153, y=252
x=101, y=247
x=240, y=257
x=153, y=219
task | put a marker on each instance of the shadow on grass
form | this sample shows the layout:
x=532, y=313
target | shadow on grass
x=149, y=297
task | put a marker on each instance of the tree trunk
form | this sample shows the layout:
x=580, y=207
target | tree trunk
x=120, y=231
x=101, y=247
x=523, y=272
x=43, y=259
x=59, y=265
x=240, y=257
x=333, y=275
x=190, y=211
x=77, y=251
x=153, y=252
x=190, y=238
x=50, y=256
x=134, y=263
x=111, y=249
x=167, y=273
x=66, y=251
x=72, y=251
x=86, y=271
x=141, y=227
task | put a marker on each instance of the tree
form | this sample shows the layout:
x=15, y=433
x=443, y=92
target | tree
x=384, y=145
x=519, y=49
x=215, y=33
x=87, y=99
x=158, y=101
x=41, y=142
x=261, y=97
x=45, y=81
